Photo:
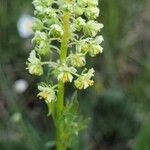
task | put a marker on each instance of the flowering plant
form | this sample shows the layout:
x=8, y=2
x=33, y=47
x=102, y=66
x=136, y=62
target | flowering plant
x=65, y=33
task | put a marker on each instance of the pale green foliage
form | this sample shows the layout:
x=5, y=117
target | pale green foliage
x=71, y=122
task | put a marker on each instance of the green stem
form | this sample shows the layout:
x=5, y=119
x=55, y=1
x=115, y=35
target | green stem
x=60, y=95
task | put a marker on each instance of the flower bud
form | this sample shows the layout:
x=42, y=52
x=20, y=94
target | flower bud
x=56, y=30
x=91, y=12
x=37, y=25
x=84, y=47
x=77, y=60
x=79, y=23
x=67, y=7
x=39, y=37
x=43, y=48
x=50, y=21
x=99, y=39
x=36, y=3
x=42, y=4
x=82, y=3
x=78, y=11
x=92, y=2
x=91, y=28
x=50, y=12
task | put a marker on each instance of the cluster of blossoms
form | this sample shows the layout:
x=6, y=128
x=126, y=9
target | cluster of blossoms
x=64, y=25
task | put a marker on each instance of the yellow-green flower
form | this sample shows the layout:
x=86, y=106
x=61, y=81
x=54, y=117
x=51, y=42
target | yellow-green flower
x=65, y=76
x=65, y=73
x=39, y=37
x=91, y=46
x=37, y=25
x=85, y=3
x=34, y=64
x=92, y=2
x=56, y=30
x=99, y=39
x=47, y=93
x=43, y=48
x=78, y=11
x=82, y=3
x=79, y=23
x=91, y=12
x=43, y=7
x=85, y=48
x=94, y=50
x=84, y=80
x=77, y=60
x=91, y=28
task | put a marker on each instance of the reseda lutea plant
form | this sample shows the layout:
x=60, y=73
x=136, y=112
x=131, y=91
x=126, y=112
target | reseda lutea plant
x=65, y=33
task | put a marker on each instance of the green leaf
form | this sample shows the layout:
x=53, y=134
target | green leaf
x=51, y=109
x=50, y=144
x=72, y=105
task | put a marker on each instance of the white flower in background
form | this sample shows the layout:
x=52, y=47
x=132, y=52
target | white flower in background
x=24, y=25
x=16, y=117
x=20, y=86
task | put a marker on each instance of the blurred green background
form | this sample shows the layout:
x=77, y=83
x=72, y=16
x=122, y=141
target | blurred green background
x=118, y=103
